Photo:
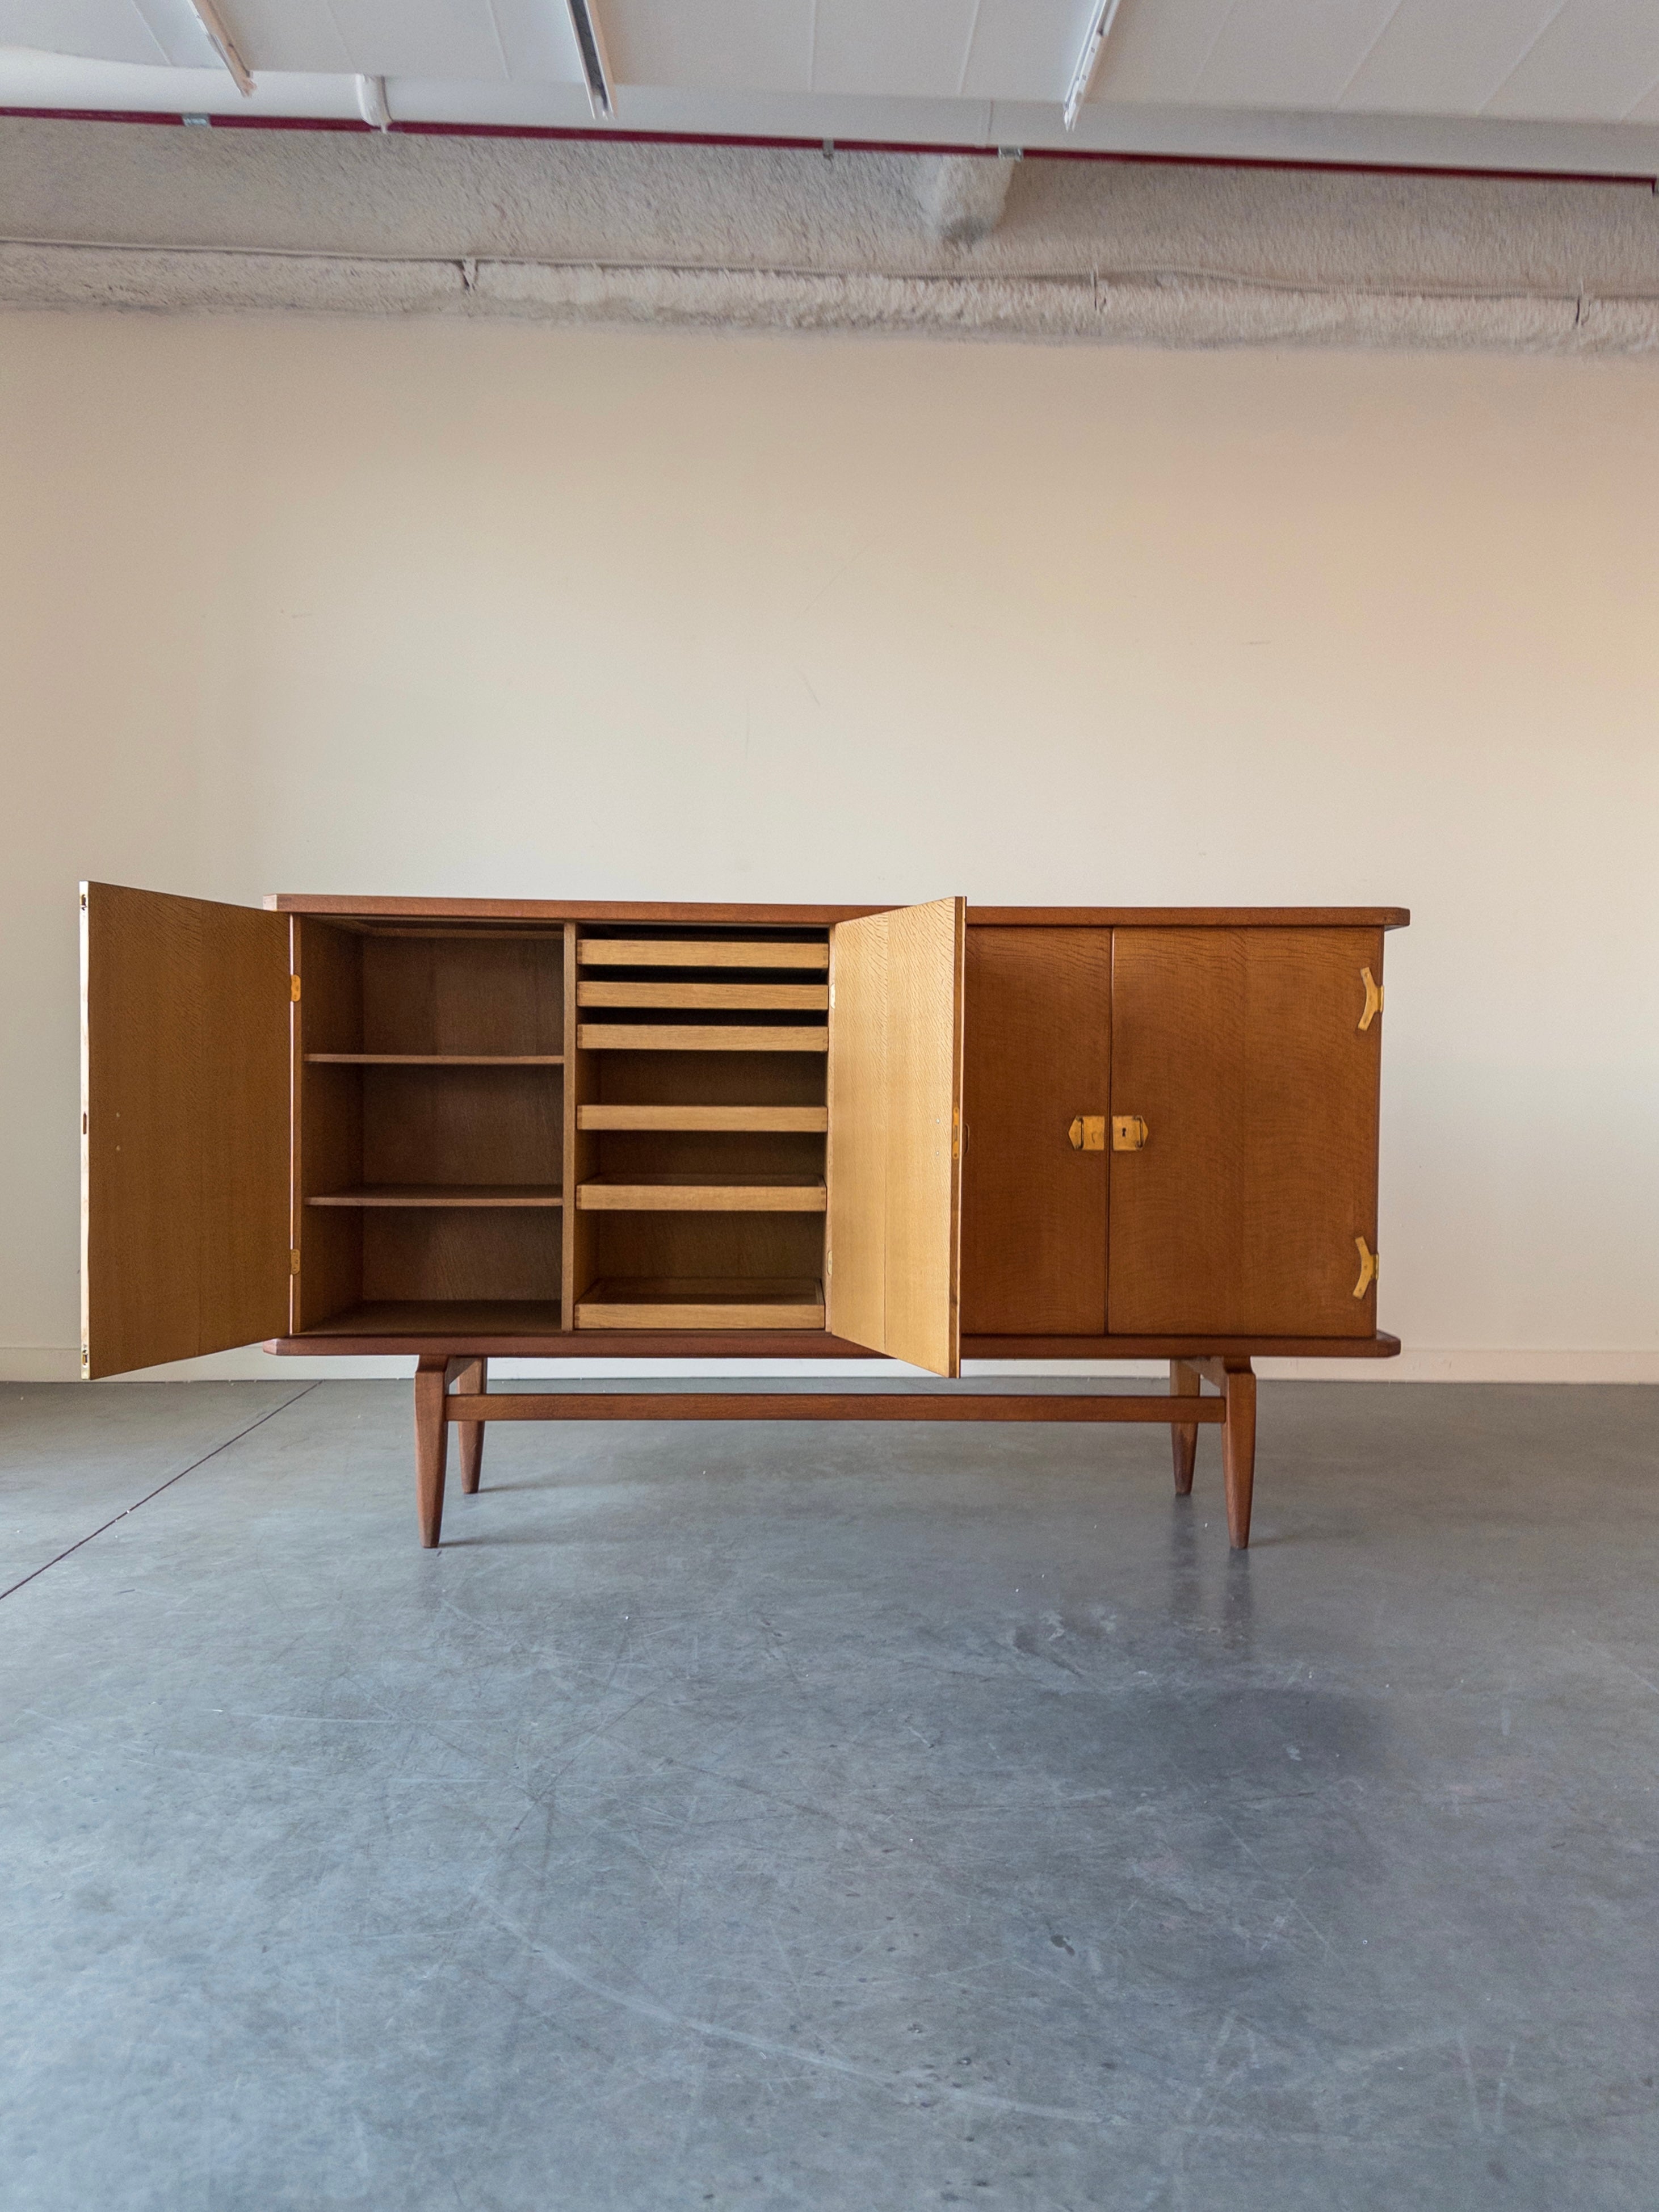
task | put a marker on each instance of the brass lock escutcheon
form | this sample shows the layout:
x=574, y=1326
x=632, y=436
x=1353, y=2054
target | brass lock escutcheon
x=1088, y=1133
x=1129, y=1132
x=1368, y=1267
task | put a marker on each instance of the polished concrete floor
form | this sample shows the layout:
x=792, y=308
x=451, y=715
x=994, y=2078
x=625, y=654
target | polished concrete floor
x=851, y=1818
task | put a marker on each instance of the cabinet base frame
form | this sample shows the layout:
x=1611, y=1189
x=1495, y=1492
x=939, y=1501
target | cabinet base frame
x=466, y=1407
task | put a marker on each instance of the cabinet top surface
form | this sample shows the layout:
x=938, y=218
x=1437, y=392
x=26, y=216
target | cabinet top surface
x=347, y=909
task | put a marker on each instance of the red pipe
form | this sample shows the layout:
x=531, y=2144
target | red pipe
x=560, y=131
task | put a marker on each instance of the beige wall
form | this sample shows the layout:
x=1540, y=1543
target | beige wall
x=405, y=607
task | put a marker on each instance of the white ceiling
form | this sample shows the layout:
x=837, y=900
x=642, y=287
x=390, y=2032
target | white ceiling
x=1544, y=83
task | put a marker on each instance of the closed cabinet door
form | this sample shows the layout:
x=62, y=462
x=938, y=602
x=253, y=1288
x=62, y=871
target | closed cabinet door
x=1244, y=1126
x=1036, y=1089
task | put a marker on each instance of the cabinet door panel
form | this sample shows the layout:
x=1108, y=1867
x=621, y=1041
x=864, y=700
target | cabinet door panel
x=893, y=1233
x=1242, y=1052
x=1037, y=1053
x=185, y=1160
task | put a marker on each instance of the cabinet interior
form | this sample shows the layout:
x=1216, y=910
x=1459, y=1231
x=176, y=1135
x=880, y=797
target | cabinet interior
x=511, y=1129
x=430, y=1125
x=698, y=1146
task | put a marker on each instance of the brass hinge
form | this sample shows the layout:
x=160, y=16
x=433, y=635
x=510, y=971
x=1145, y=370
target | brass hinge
x=293, y=991
x=1129, y=1132
x=1368, y=1267
x=86, y=1355
x=1373, y=999
x=294, y=1262
x=1088, y=1133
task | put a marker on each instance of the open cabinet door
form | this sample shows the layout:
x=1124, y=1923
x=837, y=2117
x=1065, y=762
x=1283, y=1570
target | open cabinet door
x=185, y=1010
x=893, y=1234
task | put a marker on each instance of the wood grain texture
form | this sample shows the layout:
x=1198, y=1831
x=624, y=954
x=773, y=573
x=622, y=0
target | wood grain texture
x=432, y=1375
x=1191, y=917
x=449, y=1252
x=439, y=1058
x=186, y=1161
x=583, y=1077
x=894, y=1223
x=463, y=1125
x=528, y=1329
x=453, y=994
x=707, y=952
x=450, y=1194
x=689, y=1036
x=710, y=998
x=825, y=917
x=1183, y=1383
x=1168, y=1345
x=328, y=1119
x=706, y=1194
x=473, y=1379
x=1237, y=1384
x=1240, y=1050
x=673, y=913
x=824, y=1406
x=723, y=1120
x=1037, y=1052
x=723, y=1303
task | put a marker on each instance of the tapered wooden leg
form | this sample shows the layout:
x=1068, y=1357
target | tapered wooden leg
x=1183, y=1436
x=1238, y=1450
x=431, y=1436
x=473, y=1376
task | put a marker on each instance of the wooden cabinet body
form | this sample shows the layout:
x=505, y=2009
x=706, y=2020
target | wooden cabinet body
x=466, y=1128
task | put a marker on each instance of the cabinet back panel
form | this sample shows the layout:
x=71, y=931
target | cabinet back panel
x=331, y=1158
x=433, y=1253
x=502, y=1125
x=455, y=993
x=1241, y=1051
x=733, y=1154
x=661, y=1246
x=1037, y=1052
x=711, y=1079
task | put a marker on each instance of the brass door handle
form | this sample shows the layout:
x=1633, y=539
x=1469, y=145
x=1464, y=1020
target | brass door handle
x=1373, y=998
x=1088, y=1133
x=1129, y=1132
x=1368, y=1267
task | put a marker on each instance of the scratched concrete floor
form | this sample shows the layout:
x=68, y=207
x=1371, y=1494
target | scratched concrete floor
x=849, y=1819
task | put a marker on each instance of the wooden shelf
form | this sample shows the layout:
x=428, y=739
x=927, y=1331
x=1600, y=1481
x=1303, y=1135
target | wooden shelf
x=428, y=1317
x=446, y=1194
x=711, y=998
x=664, y=952
x=700, y=1194
x=705, y=1303
x=438, y=1059
x=807, y=1121
x=689, y=1036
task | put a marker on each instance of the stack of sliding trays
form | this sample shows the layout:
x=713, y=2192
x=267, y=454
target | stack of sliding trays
x=697, y=1125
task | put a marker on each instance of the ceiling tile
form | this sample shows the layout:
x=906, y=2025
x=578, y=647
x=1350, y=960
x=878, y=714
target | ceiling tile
x=1595, y=61
x=1437, y=59
x=420, y=38
x=287, y=34
x=1290, y=53
x=915, y=50
x=1157, y=50
x=711, y=46
x=178, y=31
x=101, y=30
x=539, y=42
x=1026, y=49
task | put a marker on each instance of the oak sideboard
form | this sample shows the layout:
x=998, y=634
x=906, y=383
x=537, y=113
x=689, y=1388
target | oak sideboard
x=467, y=1128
